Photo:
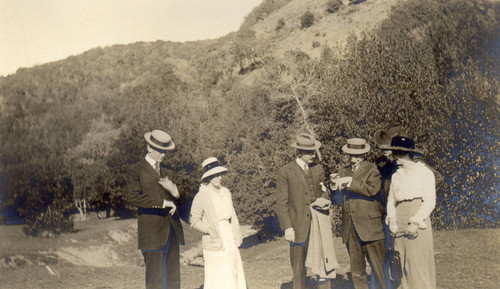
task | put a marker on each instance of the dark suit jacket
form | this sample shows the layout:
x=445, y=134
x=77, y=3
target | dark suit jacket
x=144, y=192
x=293, y=197
x=360, y=203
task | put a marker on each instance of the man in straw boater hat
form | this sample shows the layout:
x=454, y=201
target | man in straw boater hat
x=356, y=186
x=299, y=185
x=151, y=190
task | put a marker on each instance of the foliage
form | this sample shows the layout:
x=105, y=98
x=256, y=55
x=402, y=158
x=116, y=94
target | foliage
x=306, y=20
x=280, y=25
x=413, y=71
x=266, y=8
x=70, y=129
x=333, y=6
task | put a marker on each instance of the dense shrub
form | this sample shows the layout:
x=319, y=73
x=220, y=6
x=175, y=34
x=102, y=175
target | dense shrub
x=413, y=71
x=333, y=6
x=46, y=204
x=432, y=66
x=307, y=20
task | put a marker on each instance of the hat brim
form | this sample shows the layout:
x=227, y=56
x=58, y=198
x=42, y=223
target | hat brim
x=350, y=151
x=316, y=146
x=380, y=142
x=391, y=148
x=147, y=137
x=214, y=171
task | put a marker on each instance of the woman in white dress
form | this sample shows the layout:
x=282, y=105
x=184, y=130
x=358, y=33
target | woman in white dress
x=412, y=198
x=212, y=213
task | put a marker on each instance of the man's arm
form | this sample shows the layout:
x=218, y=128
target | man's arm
x=135, y=194
x=282, y=203
x=369, y=186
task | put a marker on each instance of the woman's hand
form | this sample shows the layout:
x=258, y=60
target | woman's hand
x=393, y=225
x=212, y=233
x=411, y=231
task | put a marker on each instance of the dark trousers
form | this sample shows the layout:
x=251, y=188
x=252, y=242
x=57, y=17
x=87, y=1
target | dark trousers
x=374, y=252
x=163, y=265
x=298, y=254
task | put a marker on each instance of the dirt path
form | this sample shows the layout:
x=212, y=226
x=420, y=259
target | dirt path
x=461, y=261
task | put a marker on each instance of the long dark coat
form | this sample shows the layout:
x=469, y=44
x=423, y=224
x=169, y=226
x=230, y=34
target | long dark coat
x=144, y=192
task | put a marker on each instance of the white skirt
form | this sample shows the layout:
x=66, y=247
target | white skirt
x=224, y=269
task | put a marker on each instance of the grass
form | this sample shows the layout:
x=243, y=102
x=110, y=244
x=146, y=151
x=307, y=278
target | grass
x=464, y=259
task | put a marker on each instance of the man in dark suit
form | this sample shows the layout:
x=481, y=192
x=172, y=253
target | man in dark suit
x=151, y=190
x=298, y=186
x=356, y=186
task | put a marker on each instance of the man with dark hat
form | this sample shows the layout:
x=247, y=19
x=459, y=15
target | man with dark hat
x=151, y=190
x=299, y=184
x=356, y=186
x=386, y=163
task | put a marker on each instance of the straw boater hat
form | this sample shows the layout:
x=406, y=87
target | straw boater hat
x=306, y=142
x=159, y=140
x=212, y=167
x=404, y=144
x=384, y=136
x=356, y=146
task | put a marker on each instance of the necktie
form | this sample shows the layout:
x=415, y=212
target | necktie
x=306, y=168
x=157, y=168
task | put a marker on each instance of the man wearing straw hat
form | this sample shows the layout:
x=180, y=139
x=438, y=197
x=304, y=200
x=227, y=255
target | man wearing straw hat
x=151, y=190
x=356, y=186
x=299, y=184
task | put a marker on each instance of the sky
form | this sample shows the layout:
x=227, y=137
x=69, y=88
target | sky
x=34, y=32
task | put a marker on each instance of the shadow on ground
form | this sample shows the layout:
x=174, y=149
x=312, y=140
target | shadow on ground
x=341, y=282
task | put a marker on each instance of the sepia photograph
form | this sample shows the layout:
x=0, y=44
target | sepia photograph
x=249, y=144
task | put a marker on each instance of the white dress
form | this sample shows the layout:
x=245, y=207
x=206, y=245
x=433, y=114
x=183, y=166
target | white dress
x=412, y=198
x=224, y=269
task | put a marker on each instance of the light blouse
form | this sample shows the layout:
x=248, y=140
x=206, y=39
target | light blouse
x=222, y=204
x=413, y=180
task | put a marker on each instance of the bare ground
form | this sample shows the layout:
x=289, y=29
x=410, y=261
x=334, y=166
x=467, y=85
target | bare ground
x=102, y=254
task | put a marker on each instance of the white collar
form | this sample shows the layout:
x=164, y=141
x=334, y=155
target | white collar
x=301, y=163
x=150, y=161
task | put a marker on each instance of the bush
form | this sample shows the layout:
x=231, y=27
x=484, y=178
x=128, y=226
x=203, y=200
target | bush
x=356, y=2
x=333, y=6
x=307, y=19
x=281, y=24
x=48, y=223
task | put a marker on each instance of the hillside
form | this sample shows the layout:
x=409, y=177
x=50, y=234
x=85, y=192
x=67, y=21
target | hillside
x=329, y=29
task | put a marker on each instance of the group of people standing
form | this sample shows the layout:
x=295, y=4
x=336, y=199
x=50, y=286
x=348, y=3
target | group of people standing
x=386, y=208
x=386, y=203
x=151, y=189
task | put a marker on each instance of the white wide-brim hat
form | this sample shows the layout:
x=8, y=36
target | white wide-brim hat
x=356, y=146
x=159, y=140
x=212, y=167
